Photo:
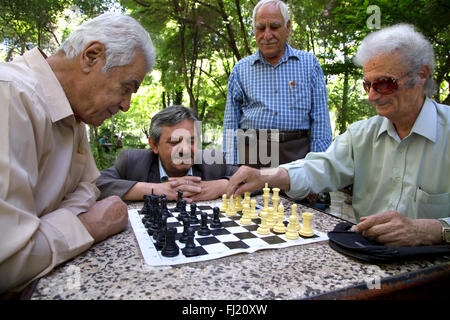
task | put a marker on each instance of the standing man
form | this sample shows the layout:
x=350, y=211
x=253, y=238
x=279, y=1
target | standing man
x=398, y=160
x=48, y=208
x=278, y=88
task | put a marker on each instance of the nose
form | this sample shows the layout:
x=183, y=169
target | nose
x=185, y=147
x=373, y=95
x=267, y=33
x=125, y=104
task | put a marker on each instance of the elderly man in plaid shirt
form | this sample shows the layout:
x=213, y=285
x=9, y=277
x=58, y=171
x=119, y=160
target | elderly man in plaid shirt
x=276, y=109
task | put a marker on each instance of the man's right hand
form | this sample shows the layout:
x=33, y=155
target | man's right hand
x=105, y=218
x=247, y=179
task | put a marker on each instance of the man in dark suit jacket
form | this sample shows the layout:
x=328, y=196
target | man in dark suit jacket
x=173, y=163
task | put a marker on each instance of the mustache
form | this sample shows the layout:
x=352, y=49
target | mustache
x=379, y=103
x=273, y=41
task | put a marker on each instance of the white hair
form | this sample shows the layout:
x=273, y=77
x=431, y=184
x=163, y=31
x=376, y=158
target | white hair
x=403, y=38
x=280, y=4
x=120, y=34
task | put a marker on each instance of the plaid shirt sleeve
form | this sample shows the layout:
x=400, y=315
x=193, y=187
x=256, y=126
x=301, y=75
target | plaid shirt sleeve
x=231, y=119
x=321, y=135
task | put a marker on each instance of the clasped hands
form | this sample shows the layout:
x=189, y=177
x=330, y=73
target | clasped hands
x=194, y=188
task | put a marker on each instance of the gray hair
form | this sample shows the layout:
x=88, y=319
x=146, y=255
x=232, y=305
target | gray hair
x=403, y=38
x=169, y=116
x=120, y=34
x=280, y=4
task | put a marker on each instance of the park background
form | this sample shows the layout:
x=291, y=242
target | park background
x=198, y=42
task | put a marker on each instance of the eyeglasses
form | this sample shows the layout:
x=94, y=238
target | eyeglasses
x=383, y=86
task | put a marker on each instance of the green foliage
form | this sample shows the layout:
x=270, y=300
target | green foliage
x=198, y=42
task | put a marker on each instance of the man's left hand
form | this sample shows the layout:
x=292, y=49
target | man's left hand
x=211, y=190
x=391, y=228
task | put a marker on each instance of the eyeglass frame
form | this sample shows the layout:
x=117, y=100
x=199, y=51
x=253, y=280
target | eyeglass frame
x=394, y=81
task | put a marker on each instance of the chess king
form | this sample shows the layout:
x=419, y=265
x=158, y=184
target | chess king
x=173, y=163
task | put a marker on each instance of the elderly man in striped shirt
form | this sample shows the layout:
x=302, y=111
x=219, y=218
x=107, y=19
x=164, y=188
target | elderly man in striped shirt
x=276, y=109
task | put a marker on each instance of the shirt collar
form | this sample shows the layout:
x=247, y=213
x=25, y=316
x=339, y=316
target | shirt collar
x=288, y=53
x=425, y=124
x=57, y=104
x=163, y=175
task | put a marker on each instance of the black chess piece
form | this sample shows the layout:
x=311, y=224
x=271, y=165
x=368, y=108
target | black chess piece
x=186, y=225
x=190, y=250
x=204, y=230
x=170, y=248
x=163, y=202
x=193, y=216
x=216, y=223
x=159, y=244
x=183, y=213
x=179, y=199
x=145, y=209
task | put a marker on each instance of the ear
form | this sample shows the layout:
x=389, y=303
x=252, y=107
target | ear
x=153, y=145
x=424, y=72
x=288, y=27
x=92, y=55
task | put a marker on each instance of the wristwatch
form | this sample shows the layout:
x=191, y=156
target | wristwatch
x=445, y=222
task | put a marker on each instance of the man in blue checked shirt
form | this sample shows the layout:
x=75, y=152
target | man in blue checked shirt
x=278, y=93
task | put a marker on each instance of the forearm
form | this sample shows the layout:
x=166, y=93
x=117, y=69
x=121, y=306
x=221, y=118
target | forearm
x=276, y=178
x=137, y=191
x=429, y=231
x=58, y=237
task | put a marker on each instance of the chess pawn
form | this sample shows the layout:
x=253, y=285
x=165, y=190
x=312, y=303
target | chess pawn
x=190, y=250
x=224, y=206
x=170, y=248
x=231, y=211
x=280, y=227
x=245, y=219
x=294, y=213
x=270, y=220
x=215, y=223
x=292, y=232
x=306, y=230
x=247, y=199
x=263, y=228
x=238, y=206
x=253, y=213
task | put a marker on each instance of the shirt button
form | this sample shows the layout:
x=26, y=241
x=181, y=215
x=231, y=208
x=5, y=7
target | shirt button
x=276, y=91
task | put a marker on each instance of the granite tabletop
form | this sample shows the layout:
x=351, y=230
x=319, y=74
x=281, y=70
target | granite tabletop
x=115, y=269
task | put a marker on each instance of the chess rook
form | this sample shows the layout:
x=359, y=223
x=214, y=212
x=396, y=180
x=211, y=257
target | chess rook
x=306, y=230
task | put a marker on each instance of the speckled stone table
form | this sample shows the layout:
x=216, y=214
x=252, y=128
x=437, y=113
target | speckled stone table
x=115, y=269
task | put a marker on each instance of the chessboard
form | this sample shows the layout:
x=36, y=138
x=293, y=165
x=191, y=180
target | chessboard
x=230, y=238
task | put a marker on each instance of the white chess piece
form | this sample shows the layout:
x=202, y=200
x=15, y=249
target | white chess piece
x=292, y=232
x=245, y=219
x=306, y=229
x=224, y=206
x=253, y=213
x=231, y=211
x=263, y=228
x=280, y=227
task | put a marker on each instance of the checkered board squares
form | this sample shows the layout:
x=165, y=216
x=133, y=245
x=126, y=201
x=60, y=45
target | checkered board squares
x=232, y=238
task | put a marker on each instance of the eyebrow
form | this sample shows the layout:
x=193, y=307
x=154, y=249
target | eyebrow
x=135, y=83
x=275, y=24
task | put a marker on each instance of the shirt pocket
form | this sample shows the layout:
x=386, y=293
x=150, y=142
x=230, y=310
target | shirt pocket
x=432, y=206
x=299, y=97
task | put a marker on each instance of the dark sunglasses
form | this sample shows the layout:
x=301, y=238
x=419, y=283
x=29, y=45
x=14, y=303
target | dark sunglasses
x=383, y=86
